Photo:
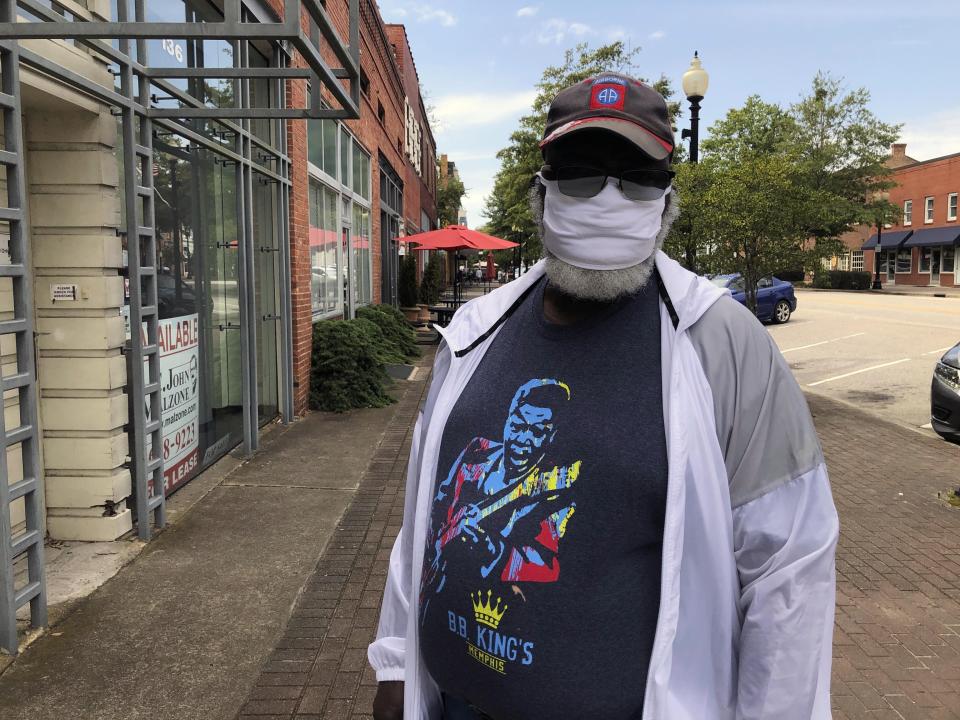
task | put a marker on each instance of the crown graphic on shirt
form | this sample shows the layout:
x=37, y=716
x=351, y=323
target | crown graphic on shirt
x=485, y=612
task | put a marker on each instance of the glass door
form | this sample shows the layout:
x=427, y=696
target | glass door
x=935, y=266
x=891, y=265
x=199, y=307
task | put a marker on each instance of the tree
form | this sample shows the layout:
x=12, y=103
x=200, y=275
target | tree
x=507, y=208
x=842, y=148
x=687, y=234
x=757, y=129
x=430, y=283
x=407, y=288
x=450, y=194
x=751, y=218
x=830, y=153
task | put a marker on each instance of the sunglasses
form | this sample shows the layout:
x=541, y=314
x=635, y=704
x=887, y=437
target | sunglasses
x=587, y=182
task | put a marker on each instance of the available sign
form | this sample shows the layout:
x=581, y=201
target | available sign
x=179, y=357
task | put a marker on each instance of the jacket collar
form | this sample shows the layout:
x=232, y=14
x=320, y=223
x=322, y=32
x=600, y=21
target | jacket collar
x=690, y=294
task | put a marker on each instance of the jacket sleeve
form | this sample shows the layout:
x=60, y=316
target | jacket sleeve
x=387, y=654
x=784, y=543
x=784, y=522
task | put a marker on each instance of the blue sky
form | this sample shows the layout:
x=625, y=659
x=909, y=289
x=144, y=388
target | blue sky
x=478, y=60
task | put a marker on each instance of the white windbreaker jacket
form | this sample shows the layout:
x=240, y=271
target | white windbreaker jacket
x=745, y=625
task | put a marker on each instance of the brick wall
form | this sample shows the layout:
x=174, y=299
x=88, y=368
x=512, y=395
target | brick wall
x=379, y=138
x=916, y=181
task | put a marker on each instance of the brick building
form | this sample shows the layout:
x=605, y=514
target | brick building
x=920, y=247
x=246, y=229
x=392, y=147
x=420, y=148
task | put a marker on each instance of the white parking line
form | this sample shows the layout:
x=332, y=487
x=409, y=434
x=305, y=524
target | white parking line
x=857, y=372
x=928, y=426
x=938, y=352
x=825, y=342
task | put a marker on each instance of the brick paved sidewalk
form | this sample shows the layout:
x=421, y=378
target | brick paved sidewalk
x=319, y=668
x=897, y=642
x=896, y=645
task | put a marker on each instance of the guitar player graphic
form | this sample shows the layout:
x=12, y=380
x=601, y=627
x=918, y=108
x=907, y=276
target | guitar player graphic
x=507, y=504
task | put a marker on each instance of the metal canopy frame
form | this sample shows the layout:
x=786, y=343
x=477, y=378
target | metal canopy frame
x=53, y=25
x=139, y=117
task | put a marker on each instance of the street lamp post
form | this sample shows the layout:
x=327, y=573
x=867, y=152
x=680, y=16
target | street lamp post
x=695, y=83
x=877, y=285
x=883, y=197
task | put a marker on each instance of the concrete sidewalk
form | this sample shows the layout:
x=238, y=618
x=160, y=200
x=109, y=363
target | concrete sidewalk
x=184, y=630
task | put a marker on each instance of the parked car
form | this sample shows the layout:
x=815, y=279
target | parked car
x=945, y=396
x=776, y=301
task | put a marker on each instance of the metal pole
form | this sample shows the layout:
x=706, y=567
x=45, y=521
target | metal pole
x=246, y=283
x=877, y=285
x=283, y=238
x=694, y=127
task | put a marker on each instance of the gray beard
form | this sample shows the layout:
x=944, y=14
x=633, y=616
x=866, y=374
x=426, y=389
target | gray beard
x=601, y=285
x=598, y=285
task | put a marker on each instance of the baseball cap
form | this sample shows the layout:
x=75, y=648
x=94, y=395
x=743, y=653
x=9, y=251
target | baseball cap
x=614, y=102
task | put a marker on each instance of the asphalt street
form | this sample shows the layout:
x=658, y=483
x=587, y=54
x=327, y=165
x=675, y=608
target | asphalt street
x=876, y=352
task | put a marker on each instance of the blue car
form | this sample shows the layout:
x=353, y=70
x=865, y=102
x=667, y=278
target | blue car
x=776, y=301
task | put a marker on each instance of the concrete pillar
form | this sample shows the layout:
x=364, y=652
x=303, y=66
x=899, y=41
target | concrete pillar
x=73, y=178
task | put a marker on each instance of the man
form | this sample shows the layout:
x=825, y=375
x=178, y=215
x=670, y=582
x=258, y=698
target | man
x=697, y=574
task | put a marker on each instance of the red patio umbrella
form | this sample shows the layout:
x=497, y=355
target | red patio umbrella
x=457, y=237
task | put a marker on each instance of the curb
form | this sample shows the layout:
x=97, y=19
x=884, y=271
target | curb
x=950, y=295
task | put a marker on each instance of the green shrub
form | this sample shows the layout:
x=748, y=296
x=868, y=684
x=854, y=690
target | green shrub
x=849, y=280
x=345, y=371
x=842, y=280
x=385, y=350
x=430, y=284
x=407, y=289
x=397, y=333
x=821, y=280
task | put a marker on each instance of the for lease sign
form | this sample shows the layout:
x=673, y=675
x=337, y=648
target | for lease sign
x=179, y=359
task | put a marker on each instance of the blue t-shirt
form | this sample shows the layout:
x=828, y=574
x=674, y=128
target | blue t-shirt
x=541, y=580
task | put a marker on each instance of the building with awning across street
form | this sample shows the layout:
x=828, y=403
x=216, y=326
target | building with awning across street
x=920, y=248
x=888, y=240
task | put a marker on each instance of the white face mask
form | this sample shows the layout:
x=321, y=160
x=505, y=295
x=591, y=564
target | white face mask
x=606, y=232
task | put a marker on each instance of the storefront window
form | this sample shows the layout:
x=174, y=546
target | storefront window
x=947, y=263
x=172, y=52
x=361, y=173
x=362, y=258
x=345, y=145
x=199, y=307
x=322, y=142
x=325, y=264
x=260, y=96
x=904, y=261
x=925, y=260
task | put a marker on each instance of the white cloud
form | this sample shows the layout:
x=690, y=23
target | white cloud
x=932, y=135
x=658, y=35
x=422, y=12
x=481, y=108
x=557, y=30
x=426, y=13
x=528, y=11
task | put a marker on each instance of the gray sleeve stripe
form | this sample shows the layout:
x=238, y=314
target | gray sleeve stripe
x=763, y=423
